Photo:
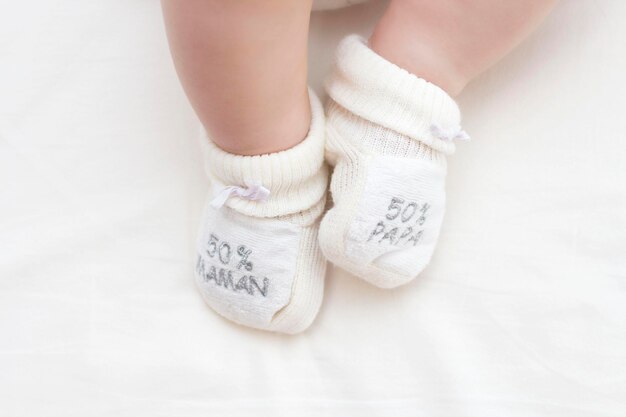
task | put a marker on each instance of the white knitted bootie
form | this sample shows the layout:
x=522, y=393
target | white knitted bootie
x=388, y=132
x=258, y=258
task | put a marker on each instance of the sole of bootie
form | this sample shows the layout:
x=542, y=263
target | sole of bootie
x=385, y=226
x=252, y=271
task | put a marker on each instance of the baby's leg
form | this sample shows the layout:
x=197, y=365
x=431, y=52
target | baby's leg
x=391, y=123
x=243, y=66
x=450, y=42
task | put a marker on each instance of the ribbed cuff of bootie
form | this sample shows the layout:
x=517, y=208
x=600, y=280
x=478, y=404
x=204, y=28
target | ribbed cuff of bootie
x=377, y=90
x=296, y=178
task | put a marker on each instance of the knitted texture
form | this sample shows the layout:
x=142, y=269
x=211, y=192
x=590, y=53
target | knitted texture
x=296, y=178
x=388, y=186
x=258, y=259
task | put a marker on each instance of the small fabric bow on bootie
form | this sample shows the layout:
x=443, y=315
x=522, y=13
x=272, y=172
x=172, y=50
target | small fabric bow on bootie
x=254, y=192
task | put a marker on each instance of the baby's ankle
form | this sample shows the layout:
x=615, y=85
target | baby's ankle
x=431, y=52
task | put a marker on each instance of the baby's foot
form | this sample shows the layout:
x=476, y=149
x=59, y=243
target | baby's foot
x=388, y=132
x=258, y=261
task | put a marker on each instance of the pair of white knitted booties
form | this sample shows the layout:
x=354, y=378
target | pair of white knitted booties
x=262, y=249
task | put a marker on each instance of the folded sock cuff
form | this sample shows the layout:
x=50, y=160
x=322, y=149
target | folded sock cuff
x=296, y=177
x=377, y=90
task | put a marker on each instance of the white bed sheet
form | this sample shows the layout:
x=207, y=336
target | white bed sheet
x=521, y=313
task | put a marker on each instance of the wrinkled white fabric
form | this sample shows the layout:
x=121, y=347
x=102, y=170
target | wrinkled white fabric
x=521, y=312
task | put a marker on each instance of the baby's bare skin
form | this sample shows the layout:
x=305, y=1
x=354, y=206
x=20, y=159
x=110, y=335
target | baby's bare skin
x=243, y=63
x=450, y=42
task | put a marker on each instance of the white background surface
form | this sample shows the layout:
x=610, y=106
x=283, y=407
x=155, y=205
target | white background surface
x=522, y=312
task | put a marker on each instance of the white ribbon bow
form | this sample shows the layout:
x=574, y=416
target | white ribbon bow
x=254, y=192
x=449, y=134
